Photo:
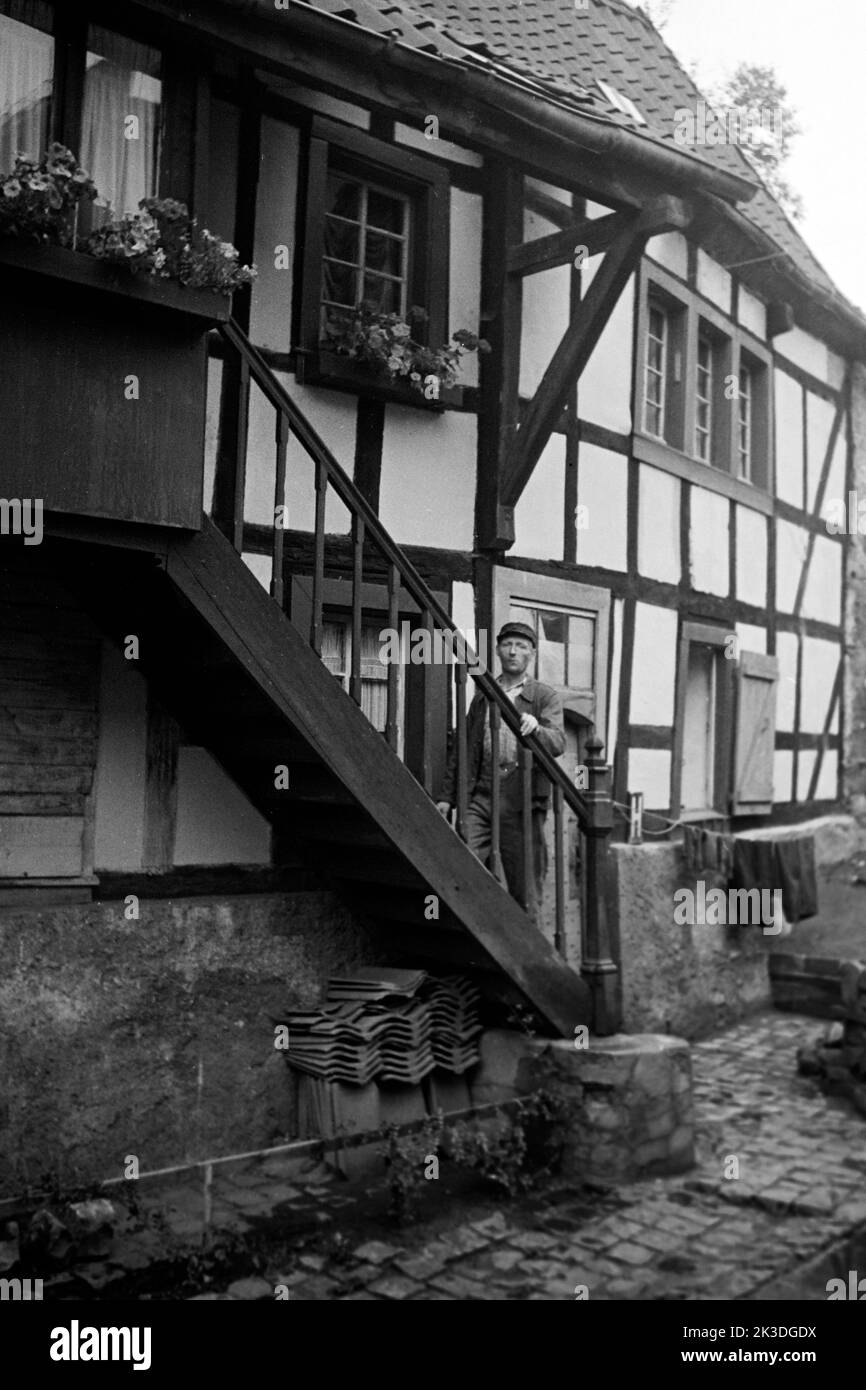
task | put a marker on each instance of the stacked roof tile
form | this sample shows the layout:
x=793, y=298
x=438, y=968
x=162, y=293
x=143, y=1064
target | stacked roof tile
x=387, y=1025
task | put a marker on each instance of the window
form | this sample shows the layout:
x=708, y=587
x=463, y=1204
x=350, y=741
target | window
x=704, y=400
x=701, y=384
x=367, y=243
x=376, y=228
x=94, y=90
x=656, y=356
x=26, y=80
x=120, y=121
x=565, y=644
x=337, y=656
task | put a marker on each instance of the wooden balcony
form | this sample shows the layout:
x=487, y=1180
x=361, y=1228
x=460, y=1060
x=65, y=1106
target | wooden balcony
x=103, y=387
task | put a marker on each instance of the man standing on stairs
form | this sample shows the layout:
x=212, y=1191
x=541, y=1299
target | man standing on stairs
x=540, y=713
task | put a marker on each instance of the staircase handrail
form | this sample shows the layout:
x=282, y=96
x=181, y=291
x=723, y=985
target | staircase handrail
x=356, y=503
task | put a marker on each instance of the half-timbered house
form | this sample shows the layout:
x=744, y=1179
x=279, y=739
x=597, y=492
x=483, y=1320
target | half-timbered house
x=213, y=788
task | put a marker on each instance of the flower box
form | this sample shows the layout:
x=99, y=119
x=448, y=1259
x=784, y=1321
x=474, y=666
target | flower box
x=103, y=389
x=323, y=367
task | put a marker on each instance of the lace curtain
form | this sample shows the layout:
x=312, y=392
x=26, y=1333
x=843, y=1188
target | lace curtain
x=26, y=71
x=121, y=155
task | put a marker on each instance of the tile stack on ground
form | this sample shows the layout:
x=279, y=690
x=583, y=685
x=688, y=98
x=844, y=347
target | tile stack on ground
x=385, y=1024
x=838, y=1058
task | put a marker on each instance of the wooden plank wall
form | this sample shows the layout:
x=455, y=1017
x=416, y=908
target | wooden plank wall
x=49, y=668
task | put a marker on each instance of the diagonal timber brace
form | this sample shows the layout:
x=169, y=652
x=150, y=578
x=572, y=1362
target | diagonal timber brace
x=580, y=338
x=594, y=234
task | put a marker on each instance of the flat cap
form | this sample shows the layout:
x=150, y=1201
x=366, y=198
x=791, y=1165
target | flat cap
x=517, y=630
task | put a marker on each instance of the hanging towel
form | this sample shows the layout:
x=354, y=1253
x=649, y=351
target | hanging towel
x=795, y=870
x=755, y=865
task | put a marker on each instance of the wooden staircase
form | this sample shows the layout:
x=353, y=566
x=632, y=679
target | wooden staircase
x=244, y=683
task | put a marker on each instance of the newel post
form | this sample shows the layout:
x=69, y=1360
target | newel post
x=599, y=964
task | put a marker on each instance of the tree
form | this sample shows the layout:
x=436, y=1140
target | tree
x=754, y=88
x=658, y=12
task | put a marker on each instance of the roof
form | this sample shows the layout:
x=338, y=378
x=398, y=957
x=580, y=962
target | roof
x=560, y=50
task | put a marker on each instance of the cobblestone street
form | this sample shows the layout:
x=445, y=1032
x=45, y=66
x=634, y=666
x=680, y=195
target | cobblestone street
x=801, y=1191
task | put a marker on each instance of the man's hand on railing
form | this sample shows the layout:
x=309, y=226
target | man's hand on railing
x=528, y=724
x=444, y=807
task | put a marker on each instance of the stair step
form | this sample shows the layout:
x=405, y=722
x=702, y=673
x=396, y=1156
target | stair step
x=341, y=826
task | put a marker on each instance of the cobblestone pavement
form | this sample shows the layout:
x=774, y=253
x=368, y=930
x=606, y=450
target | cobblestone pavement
x=800, y=1190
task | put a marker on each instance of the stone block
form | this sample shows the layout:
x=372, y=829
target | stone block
x=500, y=1072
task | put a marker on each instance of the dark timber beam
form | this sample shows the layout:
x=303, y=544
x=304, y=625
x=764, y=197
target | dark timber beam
x=580, y=338
x=592, y=234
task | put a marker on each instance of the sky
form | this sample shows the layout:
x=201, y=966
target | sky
x=818, y=53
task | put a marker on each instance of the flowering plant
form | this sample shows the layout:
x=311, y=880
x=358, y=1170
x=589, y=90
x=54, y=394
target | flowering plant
x=162, y=239
x=386, y=343
x=40, y=201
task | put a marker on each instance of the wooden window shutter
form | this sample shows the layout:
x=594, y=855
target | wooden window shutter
x=754, y=734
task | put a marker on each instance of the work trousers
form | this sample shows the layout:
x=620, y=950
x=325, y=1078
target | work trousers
x=478, y=837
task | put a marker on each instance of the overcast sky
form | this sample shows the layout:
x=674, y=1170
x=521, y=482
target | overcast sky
x=819, y=54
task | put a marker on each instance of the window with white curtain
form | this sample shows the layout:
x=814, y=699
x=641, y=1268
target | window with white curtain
x=337, y=656
x=121, y=121
x=26, y=80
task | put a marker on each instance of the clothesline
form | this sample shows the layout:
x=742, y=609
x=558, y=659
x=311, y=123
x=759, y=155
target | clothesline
x=669, y=824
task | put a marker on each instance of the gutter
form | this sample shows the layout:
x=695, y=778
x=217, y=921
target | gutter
x=541, y=114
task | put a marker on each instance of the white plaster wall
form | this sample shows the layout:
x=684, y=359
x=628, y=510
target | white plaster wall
x=823, y=598
x=828, y=778
x=672, y=251
x=120, y=764
x=751, y=638
x=804, y=350
x=602, y=487
x=612, y=723
x=654, y=665
x=438, y=148
x=539, y=517
x=464, y=294
x=649, y=771
x=561, y=195
x=216, y=824
x=752, y=313
x=783, y=776
x=786, y=652
x=820, y=663
x=658, y=540
x=805, y=767
x=751, y=556
x=789, y=438
x=708, y=542
x=819, y=422
x=604, y=389
x=791, y=543
x=714, y=281
x=835, y=370
x=427, y=492
x=333, y=415
x=260, y=566
x=211, y=428
x=271, y=307
x=545, y=310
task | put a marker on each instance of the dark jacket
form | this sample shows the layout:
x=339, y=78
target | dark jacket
x=535, y=698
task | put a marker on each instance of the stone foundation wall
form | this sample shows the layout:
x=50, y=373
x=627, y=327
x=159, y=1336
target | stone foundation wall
x=694, y=980
x=155, y=1037
x=632, y=1113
